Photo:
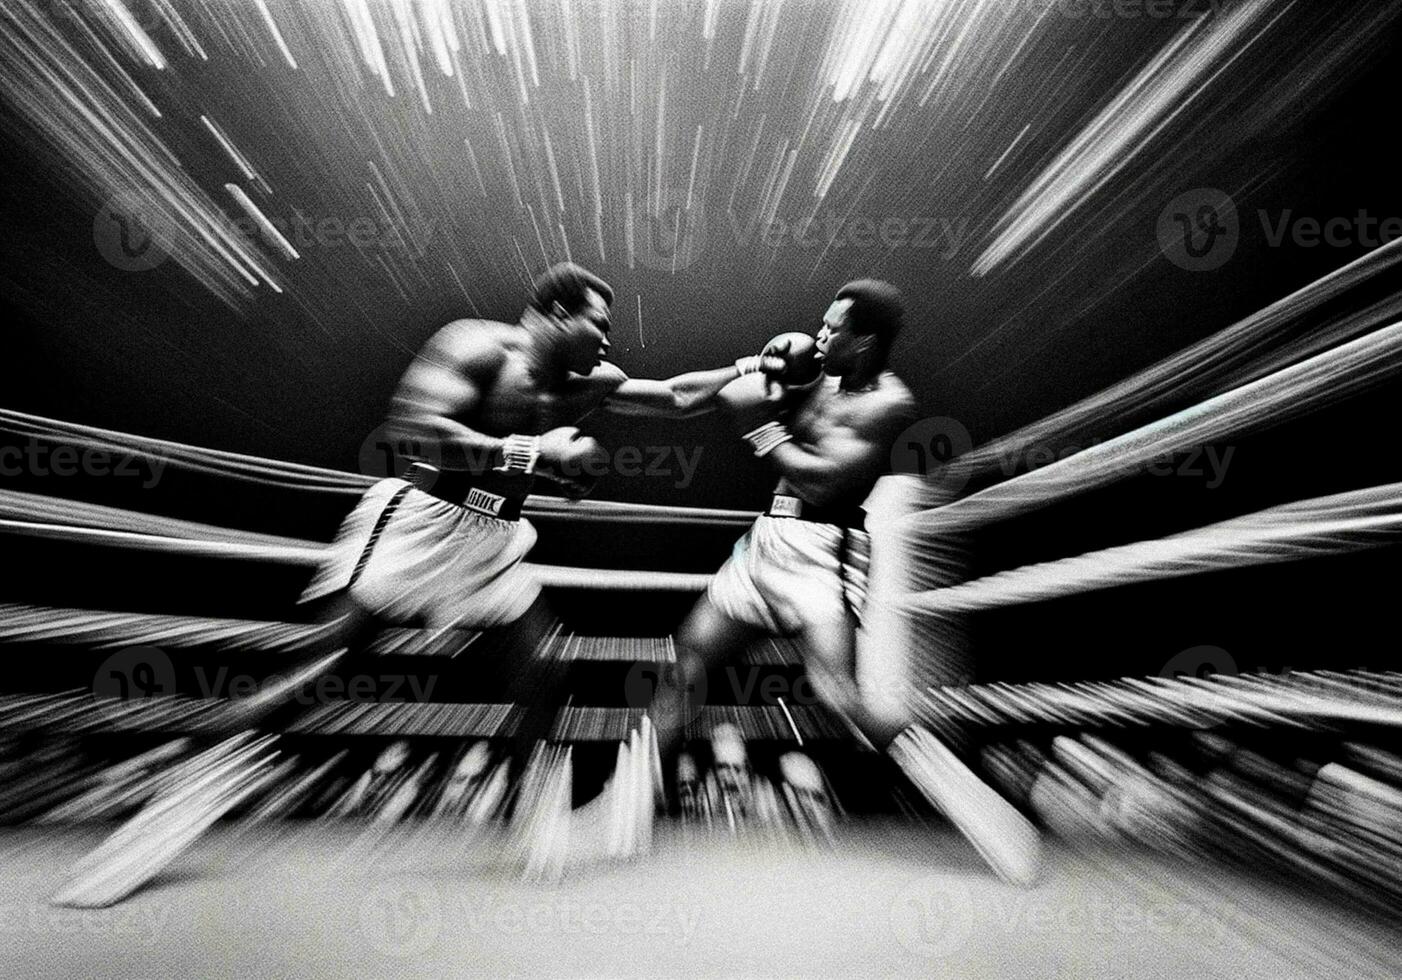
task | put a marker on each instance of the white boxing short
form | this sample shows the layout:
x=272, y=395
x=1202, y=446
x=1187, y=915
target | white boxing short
x=786, y=575
x=413, y=559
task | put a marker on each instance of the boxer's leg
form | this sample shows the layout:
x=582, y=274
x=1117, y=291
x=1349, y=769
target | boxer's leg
x=706, y=640
x=349, y=626
x=535, y=679
x=830, y=660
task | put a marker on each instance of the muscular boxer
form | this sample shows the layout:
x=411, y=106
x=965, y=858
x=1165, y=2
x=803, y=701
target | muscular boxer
x=801, y=569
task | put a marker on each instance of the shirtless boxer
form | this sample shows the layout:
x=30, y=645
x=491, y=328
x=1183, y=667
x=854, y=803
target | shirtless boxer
x=801, y=569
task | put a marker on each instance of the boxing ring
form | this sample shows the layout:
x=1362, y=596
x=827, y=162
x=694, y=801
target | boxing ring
x=250, y=214
x=1181, y=843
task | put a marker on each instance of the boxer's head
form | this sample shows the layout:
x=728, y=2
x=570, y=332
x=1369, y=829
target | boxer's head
x=860, y=325
x=575, y=304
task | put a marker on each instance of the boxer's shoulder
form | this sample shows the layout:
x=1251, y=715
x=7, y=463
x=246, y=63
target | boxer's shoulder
x=894, y=386
x=887, y=406
x=473, y=333
x=471, y=346
x=898, y=398
x=889, y=395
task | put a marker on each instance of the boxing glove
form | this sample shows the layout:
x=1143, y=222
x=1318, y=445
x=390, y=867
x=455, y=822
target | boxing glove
x=789, y=361
x=798, y=353
x=572, y=459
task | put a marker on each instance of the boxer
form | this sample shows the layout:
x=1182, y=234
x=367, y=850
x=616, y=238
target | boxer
x=801, y=569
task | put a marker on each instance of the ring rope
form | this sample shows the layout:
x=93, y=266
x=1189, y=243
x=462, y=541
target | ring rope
x=613, y=511
x=217, y=461
x=1303, y=529
x=41, y=509
x=102, y=629
x=311, y=555
x=1225, y=360
x=1300, y=699
x=1290, y=392
x=303, y=477
x=1296, y=531
x=108, y=629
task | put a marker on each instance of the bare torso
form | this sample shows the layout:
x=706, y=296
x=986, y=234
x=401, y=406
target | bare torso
x=502, y=395
x=873, y=414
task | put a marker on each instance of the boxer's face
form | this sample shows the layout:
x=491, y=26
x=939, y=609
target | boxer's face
x=585, y=333
x=836, y=342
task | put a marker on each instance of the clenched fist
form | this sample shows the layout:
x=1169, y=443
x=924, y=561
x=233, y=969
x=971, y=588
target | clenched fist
x=571, y=459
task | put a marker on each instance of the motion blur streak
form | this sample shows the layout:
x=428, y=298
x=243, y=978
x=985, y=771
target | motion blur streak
x=427, y=114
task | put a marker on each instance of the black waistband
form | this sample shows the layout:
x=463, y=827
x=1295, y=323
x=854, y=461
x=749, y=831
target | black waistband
x=852, y=517
x=457, y=487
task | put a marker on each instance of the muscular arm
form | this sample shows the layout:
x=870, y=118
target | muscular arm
x=679, y=397
x=844, y=458
x=443, y=385
x=840, y=463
